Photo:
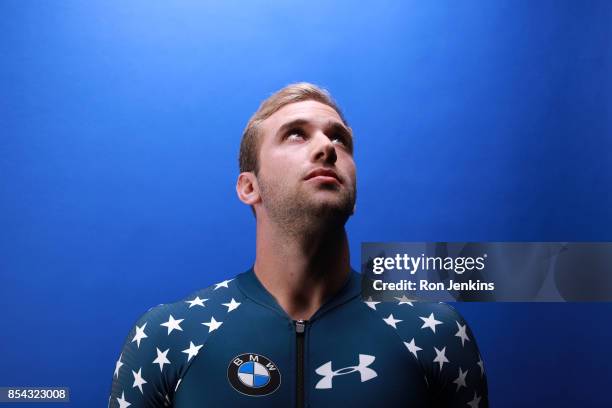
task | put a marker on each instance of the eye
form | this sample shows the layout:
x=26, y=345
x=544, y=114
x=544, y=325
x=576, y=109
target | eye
x=295, y=134
x=340, y=138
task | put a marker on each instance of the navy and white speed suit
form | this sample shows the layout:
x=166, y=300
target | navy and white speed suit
x=232, y=345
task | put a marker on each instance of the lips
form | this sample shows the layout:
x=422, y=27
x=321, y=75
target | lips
x=323, y=172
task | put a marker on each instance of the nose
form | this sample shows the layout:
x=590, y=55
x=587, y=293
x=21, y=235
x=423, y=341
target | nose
x=323, y=149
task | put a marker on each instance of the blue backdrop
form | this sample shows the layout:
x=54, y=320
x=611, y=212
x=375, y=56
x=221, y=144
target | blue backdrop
x=119, y=131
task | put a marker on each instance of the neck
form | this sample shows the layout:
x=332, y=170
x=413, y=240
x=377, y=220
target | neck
x=301, y=270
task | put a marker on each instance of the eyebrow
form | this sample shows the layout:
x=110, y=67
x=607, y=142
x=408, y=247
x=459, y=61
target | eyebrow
x=332, y=125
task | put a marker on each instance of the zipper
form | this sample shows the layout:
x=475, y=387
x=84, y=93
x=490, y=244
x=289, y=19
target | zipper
x=300, y=328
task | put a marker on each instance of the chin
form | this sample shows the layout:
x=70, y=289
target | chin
x=332, y=208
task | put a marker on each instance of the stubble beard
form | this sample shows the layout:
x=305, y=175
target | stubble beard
x=297, y=213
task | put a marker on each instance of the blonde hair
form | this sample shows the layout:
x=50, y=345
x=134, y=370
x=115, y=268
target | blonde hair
x=248, y=158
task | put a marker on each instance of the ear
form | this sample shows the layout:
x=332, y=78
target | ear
x=247, y=188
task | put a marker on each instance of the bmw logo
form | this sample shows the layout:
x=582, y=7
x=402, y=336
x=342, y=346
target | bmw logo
x=253, y=374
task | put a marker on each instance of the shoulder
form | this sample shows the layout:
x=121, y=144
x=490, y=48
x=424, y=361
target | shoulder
x=430, y=323
x=165, y=339
x=165, y=319
x=438, y=336
x=416, y=312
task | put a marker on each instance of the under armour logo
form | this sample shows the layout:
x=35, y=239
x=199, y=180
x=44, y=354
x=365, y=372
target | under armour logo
x=328, y=374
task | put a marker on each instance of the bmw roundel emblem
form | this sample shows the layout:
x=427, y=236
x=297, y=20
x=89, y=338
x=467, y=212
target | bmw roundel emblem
x=253, y=374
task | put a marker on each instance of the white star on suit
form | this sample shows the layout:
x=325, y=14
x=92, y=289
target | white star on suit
x=222, y=284
x=122, y=402
x=118, y=366
x=391, y=321
x=461, y=333
x=161, y=358
x=196, y=302
x=213, y=324
x=232, y=305
x=460, y=381
x=430, y=322
x=172, y=324
x=140, y=334
x=481, y=365
x=371, y=304
x=475, y=401
x=192, y=351
x=138, y=380
x=413, y=348
x=441, y=357
x=404, y=301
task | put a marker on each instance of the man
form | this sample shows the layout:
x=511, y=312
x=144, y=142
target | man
x=293, y=330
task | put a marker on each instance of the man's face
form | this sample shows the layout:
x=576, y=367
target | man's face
x=306, y=165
